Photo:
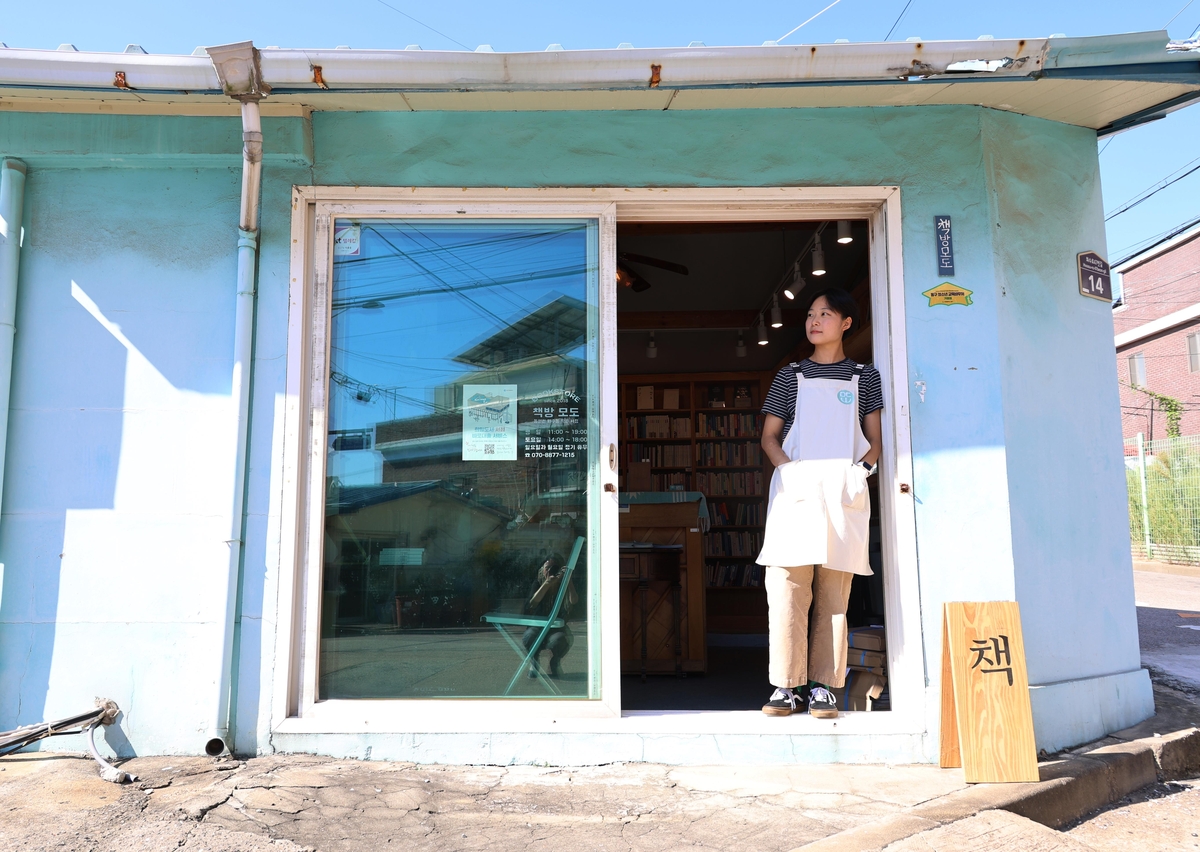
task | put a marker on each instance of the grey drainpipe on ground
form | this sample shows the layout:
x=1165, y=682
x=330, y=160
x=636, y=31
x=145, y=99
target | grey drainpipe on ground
x=12, y=202
x=240, y=73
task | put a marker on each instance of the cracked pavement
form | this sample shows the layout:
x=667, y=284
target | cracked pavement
x=284, y=803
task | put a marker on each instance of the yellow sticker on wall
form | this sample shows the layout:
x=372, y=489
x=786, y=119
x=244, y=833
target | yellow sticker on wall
x=948, y=294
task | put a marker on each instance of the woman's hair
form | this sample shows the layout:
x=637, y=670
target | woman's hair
x=842, y=303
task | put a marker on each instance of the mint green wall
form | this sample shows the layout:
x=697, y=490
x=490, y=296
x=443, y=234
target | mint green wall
x=147, y=207
x=1062, y=430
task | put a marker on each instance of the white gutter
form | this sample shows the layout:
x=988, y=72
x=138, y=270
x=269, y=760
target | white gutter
x=1157, y=326
x=565, y=70
x=240, y=77
x=12, y=203
x=49, y=69
x=679, y=67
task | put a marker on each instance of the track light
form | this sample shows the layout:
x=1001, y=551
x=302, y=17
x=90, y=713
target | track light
x=776, y=314
x=652, y=347
x=818, y=257
x=740, y=350
x=762, y=331
x=797, y=283
x=844, y=235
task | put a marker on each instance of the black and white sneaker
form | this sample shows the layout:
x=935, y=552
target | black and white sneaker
x=784, y=702
x=822, y=704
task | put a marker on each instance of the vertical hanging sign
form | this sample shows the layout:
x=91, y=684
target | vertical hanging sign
x=489, y=430
x=945, y=245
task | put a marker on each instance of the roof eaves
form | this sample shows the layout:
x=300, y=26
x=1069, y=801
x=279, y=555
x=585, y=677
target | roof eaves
x=1191, y=231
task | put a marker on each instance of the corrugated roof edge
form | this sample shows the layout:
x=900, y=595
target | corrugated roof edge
x=681, y=67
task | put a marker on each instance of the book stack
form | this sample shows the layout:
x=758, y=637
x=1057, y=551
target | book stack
x=727, y=425
x=866, y=676
x=735, y=574
x=736, y=514
x=749, y=483
x=732, y=543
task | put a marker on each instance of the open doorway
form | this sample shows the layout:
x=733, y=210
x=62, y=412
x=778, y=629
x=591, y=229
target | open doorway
x=707, y=313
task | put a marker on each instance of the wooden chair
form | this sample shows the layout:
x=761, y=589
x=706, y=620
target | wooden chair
x=502, y=620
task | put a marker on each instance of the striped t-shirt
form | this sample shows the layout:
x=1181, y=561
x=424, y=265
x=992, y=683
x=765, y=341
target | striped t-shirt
x=781, y=398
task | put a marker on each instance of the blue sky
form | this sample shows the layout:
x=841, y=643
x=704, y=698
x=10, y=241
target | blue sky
x=1132, y=162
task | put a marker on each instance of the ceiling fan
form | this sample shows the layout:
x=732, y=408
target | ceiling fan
x=628, y=277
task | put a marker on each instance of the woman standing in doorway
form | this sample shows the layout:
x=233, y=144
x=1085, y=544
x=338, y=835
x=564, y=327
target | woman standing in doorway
x=822, y=433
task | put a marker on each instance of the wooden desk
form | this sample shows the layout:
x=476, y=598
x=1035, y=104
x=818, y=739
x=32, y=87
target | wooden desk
x=663, y=524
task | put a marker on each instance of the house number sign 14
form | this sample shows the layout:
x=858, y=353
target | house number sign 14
x=1095, y=278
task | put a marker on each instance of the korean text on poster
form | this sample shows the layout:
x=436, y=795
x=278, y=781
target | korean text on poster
x=489, y=431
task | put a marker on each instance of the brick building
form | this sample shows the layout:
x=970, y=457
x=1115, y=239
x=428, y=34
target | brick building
x=1156, y=323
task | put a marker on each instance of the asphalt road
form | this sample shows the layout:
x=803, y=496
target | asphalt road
x=1168, y=609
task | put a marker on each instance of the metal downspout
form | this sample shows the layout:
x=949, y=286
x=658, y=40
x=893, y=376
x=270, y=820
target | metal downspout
x=238, y=67
x=12, y=202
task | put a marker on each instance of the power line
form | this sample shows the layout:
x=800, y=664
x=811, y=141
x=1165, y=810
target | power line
x=893, y=29
x=1133, y=250
x=1177, y=14
x=425, y=25
x=810, y=20
x=1174, y=177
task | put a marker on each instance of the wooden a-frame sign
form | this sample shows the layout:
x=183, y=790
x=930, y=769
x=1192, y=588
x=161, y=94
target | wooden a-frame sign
x=987, y=720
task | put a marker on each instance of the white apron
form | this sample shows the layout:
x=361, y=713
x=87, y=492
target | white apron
x=819, y=511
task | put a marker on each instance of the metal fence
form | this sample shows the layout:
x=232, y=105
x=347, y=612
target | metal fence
x=1164, y=498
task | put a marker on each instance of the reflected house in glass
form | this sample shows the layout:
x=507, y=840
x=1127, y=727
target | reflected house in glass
x=459, y=523
x=456, y=525
x=304, y=567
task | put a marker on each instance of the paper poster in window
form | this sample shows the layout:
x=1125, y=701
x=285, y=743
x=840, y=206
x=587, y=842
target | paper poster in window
x=489, y=423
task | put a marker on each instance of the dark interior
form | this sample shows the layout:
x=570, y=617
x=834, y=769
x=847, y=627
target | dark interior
x=732, y=272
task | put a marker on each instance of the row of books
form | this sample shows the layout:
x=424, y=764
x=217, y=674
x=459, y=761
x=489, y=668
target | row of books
x=739, y=514
x=669, y=481
x=657, y=426
x=725, y=453
x=732, y=543
x=660, y=455
x=734, y=574
x=727, y=425
x=744, y=484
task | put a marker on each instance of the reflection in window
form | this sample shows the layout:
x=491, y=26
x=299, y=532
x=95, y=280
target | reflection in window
x=462, y=429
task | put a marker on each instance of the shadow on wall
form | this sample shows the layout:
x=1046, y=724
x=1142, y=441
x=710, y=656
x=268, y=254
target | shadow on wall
x=120, y=456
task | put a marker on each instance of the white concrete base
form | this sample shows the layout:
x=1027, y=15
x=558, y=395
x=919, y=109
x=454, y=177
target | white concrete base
x=578, y=749
x=1072, y=712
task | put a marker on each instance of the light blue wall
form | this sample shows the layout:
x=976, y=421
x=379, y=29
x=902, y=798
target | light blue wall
x=1067, y=498
x=120, y=465
x=141, y=213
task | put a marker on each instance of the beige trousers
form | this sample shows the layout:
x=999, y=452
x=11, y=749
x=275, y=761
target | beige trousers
x=807, y=648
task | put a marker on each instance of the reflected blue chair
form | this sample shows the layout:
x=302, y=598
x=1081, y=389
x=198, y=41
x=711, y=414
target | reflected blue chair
x=551, y=621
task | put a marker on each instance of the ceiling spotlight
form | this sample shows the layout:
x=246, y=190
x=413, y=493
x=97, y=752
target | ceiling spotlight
x=818, y=257
x=652, y=347
x=762, y=331
x=740, y=350
x=797, y=284
x=776, y=314
x=844, y=235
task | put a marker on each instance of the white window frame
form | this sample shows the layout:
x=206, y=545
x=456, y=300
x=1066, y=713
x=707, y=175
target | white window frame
x=1135, y=363
x=294, y=705
x=1192, y=344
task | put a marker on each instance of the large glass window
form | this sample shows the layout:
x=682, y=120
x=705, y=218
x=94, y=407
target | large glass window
x=463, y=430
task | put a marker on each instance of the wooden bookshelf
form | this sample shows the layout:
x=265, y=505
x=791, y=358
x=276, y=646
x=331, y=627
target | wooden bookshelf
x=714, y=450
